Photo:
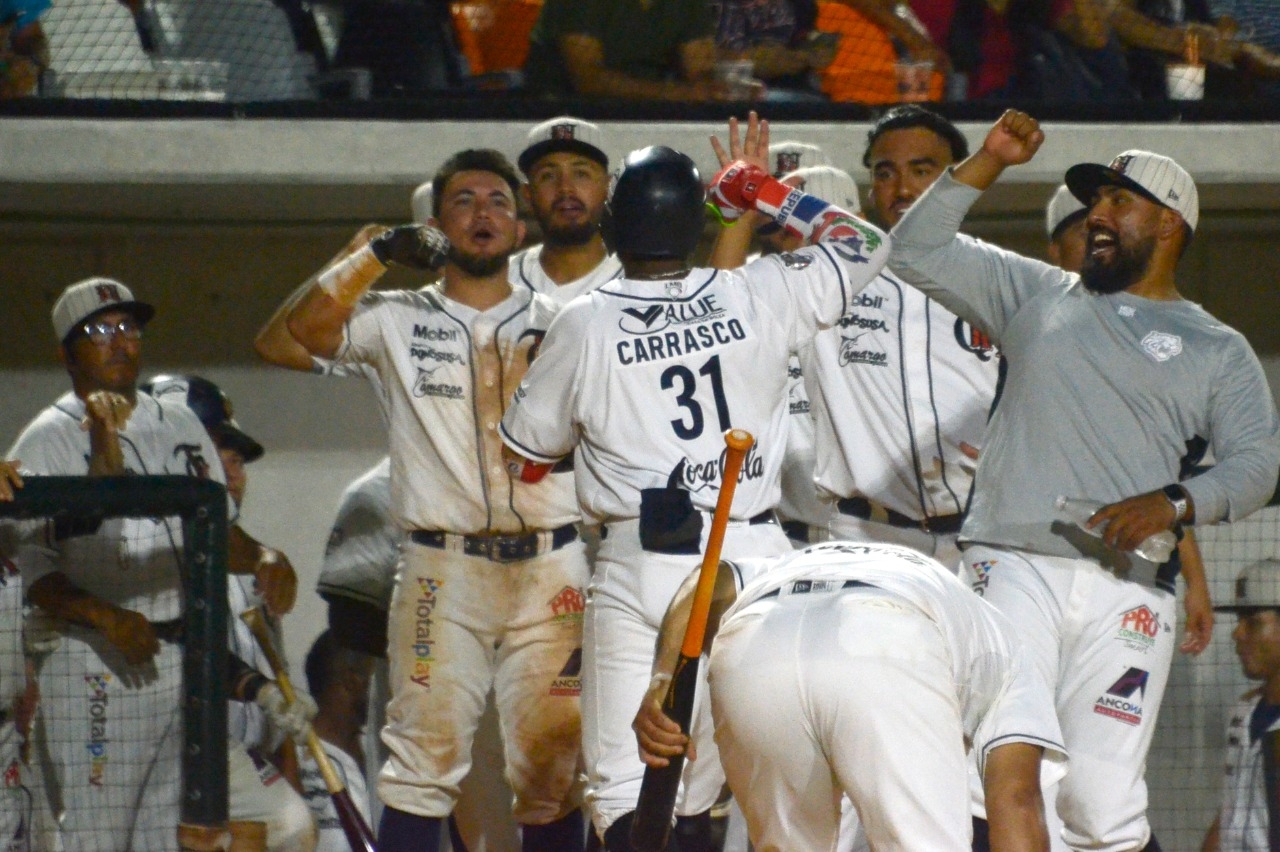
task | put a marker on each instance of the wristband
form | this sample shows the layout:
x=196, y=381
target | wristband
x=348, y=279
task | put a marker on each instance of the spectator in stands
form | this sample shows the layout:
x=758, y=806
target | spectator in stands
x=410, y=48
x=779, y=39
x=1069, y=53
x=24, y=50
x=1244, y=822
x=638, y=49
x=339, y=679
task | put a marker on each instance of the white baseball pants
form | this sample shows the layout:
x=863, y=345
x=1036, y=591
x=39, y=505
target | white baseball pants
x=939, y=546
x=459, y=625
x=1105, y=646
x=631, y=589
x=842, y=692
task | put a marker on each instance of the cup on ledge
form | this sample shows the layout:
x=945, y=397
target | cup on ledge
x=1184, y=82
x=913, y=78
x=736, y=75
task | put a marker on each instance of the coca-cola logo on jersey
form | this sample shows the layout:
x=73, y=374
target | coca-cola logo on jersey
x=657, y=317
x=694, y=476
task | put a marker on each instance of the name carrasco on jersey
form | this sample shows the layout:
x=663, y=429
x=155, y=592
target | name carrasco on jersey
x=705, y=328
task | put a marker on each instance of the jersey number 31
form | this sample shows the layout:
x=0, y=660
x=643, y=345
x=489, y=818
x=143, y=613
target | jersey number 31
x=688, y=386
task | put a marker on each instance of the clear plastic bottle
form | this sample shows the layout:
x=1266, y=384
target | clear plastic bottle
x=1156, y=548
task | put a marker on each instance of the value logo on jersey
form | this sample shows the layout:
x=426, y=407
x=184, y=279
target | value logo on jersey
x=424, y=386
x=1162, y=346
x=569, y=681
x=568, y=605
x=423, y=624
x=98, y=739
x=1120, y=703
x=657, y=317
x=1139, y=628
x=973, y=341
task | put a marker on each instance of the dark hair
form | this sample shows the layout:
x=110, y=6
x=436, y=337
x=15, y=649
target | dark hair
x=913, y=115
x=326, y=660
x=473, y=160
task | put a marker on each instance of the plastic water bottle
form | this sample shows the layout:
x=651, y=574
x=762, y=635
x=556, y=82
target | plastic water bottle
x=1156, y=548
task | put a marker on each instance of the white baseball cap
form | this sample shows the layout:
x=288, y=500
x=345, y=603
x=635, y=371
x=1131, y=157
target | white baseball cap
x=82, y=300
x=564, y=133
x=1257, y=587
x=1062, y=206
x=828, y=183
x=1153, y=176
x=420, y=203
x=789, y=155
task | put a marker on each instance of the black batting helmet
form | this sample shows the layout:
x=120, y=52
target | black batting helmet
x=211, y=406
x=657, y=205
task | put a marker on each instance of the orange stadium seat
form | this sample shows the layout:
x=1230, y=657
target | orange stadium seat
x=863, y=68
x=494, y=34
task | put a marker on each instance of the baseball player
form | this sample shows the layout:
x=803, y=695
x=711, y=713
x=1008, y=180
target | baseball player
x=18, y=693
x=112, y=687
x=865, y=670
x=489, y=590
x=339, y=679
x=257, y=791
x=1249, y=793
x=568, y=181
x=642, y=377
x=1110, y=375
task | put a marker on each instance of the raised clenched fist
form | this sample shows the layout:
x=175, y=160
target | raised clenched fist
x=415, y=246
x=1014, y=139
x=106, y=409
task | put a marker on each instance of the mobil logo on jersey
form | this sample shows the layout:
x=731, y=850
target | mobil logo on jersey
x=568, y=605
x=98, y=734
x=1123, y=700
x=657, y=316
x=1139, y=628
x=423, y=627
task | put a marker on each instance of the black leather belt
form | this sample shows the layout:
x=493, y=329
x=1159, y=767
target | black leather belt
x=797, y=530
x=800, y=587
x=498, y=548
x=861, y=507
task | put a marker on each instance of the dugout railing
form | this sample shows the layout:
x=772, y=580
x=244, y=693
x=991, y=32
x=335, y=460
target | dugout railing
x=202, y=506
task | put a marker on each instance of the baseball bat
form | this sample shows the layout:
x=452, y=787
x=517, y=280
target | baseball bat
x=359, y=837
x=652, y=822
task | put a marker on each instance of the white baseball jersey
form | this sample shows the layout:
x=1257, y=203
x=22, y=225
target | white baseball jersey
x=1244, y=821
x=799, y=494
x=642, y=374
x=1002, y=699
x=364, y=546
x=526, y=268
x=332, y=838
x=896, y=386
x=448, y=372
x=130, y=562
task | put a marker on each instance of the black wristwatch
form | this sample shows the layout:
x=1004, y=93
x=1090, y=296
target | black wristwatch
x=1177, y=496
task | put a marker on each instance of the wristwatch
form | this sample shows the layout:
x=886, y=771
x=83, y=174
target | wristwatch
x=1177, y=496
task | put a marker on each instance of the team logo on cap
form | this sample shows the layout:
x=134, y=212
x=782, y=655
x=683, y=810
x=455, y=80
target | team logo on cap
x=1121, y=163
x=108, y=293
x=786, y=162
x=563, y=131
x=1162, y=346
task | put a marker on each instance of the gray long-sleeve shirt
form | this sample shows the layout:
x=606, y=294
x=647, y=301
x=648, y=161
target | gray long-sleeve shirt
x=1103, y=393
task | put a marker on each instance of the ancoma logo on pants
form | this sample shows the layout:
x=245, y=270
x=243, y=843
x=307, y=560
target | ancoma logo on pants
x=1120, y=701
x=569, y=681
x=423, y=644
x=98, y=740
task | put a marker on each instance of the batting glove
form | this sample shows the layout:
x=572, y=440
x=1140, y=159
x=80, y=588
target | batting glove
x=294, y=718
x=415, y=246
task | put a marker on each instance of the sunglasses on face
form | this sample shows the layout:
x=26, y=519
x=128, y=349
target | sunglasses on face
x=100, y=333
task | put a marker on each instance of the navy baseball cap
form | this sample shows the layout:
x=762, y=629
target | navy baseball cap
x=212, y=407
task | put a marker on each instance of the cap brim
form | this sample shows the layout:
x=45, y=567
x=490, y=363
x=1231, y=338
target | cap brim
x=1084, y=179
x=1253, y=607
x=1067, y=221
x=538, y=150
x=226, y=436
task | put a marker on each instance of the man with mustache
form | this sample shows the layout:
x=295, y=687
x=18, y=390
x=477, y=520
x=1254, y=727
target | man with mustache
x=489, y=589
x=1113, y=380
